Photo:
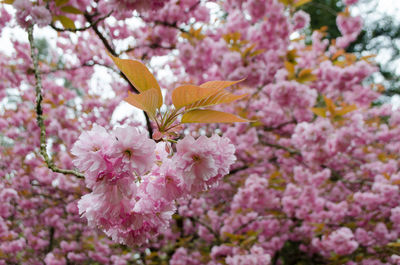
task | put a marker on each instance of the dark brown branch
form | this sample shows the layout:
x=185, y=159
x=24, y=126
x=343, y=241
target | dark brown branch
x=151, y=46
x=51, y=240
x=39, y=111
x=236, y=170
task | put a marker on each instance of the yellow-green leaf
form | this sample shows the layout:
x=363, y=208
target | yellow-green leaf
x=220, y=97
x=338, y=54
x=147, y=101
x=188, y=94
x=286, y=2
x=248, y=50
x=8, y=2
x=61, y=2
x=210, y=116
x=299, y=3
x=219, y=84
x=319, y=112
x=71, y=9
x=139, y=76
x=346, y=109
x=291, y=56
x=394, y=244
x=66, y=22
x=305, y=75
x=290, y=68
x=330, y=105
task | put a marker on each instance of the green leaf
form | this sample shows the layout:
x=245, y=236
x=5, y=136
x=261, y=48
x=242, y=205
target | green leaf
x=8, y=2
x=345, y=109
x=61, y=2
x=319, y=112
x=66, y=22
x=71, y=10
x=301, y=2
x=305, y=75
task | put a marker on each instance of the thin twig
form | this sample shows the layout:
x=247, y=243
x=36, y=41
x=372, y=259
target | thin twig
x=83, y=28
x=151, y=46
x=236, y=170
x=39, y=112
x=280, y=126
x=215, y=234
x=277, y=146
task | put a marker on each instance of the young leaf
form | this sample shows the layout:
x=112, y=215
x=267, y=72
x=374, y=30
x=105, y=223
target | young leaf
x=346, y=109
x=139, y=76
x=147, y=101
x=66, y=22
x=290, y=67
x=286, y=2
x=187, y=94
x=305, y=75
x=330, y=105
x=222, y=96
x=219, y=84
x=71, y=9
x=210, y=116
x=61, y=2
x=301, y=2
x=8, y=2
x=319, y=112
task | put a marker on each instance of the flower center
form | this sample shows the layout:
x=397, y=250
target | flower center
x=196, y=158
x=128, y=153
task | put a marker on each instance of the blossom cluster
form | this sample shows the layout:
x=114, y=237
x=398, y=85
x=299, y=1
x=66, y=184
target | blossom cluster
x=135, y=182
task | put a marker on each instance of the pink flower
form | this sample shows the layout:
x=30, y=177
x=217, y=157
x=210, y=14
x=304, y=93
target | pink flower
x=108, y=205
x=41, y=16
x=203, y=161
x=224, y=155
x=349, y=25
x=196, y=161
x=133, y=150
x=150, y=215
x=170, y=179
x=300, y=20
x=256, y=257
x=23, y=8
x=350, y=2
x=341, y=241
x=92, y=151
x=51, y=259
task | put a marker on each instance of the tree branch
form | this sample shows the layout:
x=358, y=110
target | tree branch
x=39, y=112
